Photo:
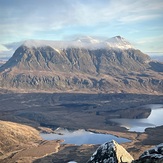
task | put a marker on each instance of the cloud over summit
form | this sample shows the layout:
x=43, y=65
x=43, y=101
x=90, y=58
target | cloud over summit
x=40, y=19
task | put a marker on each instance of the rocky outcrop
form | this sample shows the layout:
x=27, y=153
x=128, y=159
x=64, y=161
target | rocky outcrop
x=153, y=155
x=111, y=152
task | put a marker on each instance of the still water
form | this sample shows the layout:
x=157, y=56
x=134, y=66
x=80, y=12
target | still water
x=80, y=137
x=139, y=125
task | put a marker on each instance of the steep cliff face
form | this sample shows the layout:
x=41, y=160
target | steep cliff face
x=81, y=68
x=81, y=60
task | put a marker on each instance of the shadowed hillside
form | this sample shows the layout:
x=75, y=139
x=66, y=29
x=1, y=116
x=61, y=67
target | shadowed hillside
x=14, y=136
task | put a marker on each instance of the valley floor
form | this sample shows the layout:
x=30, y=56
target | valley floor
x=77, y=111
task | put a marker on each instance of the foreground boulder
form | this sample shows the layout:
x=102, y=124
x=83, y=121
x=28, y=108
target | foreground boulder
x=153, y=155
x=111, y=152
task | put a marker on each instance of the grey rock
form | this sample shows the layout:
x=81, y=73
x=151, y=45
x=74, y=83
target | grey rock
x=111, y=152
x=153, y=155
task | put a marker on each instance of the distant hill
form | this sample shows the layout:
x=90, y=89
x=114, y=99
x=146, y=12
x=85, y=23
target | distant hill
x=83, y=65
x=158, y=58
x=2, y=62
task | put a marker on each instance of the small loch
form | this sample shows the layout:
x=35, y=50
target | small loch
x=139, y=125
x=81, y=136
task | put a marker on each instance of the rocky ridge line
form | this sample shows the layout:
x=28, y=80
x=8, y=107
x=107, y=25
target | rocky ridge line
x=112, y=152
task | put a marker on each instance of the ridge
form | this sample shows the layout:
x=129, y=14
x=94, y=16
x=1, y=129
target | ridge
x=84, y=42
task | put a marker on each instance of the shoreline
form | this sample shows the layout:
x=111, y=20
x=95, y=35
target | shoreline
x=75, y=111
x=139, y=141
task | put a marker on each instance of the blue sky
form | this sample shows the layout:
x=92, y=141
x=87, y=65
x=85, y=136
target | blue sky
x=139, y=21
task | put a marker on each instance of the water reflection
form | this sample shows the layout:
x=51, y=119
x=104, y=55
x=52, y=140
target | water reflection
x=139, y=125
x=79, y=137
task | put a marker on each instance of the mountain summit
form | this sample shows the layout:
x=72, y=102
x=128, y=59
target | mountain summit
x=83, y=65
x=82, y=42
x=119, y=42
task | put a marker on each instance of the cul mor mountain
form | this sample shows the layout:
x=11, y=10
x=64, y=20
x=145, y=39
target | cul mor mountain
x=83, y=65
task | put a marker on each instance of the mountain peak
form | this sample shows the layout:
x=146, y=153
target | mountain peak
x=118, y=37
x=119, y=42
x=84, y=42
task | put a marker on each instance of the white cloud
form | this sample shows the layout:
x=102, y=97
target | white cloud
x=3, y=48
x=26, y=19
x=150, y=39
x=53, y=17
x=151, y=44
x=4, y=52
x=133, y=18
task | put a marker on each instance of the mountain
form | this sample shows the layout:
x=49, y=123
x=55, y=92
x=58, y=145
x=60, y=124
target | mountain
x=82, y=65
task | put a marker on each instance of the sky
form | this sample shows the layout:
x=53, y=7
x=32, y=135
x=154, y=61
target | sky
x=138, y=21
